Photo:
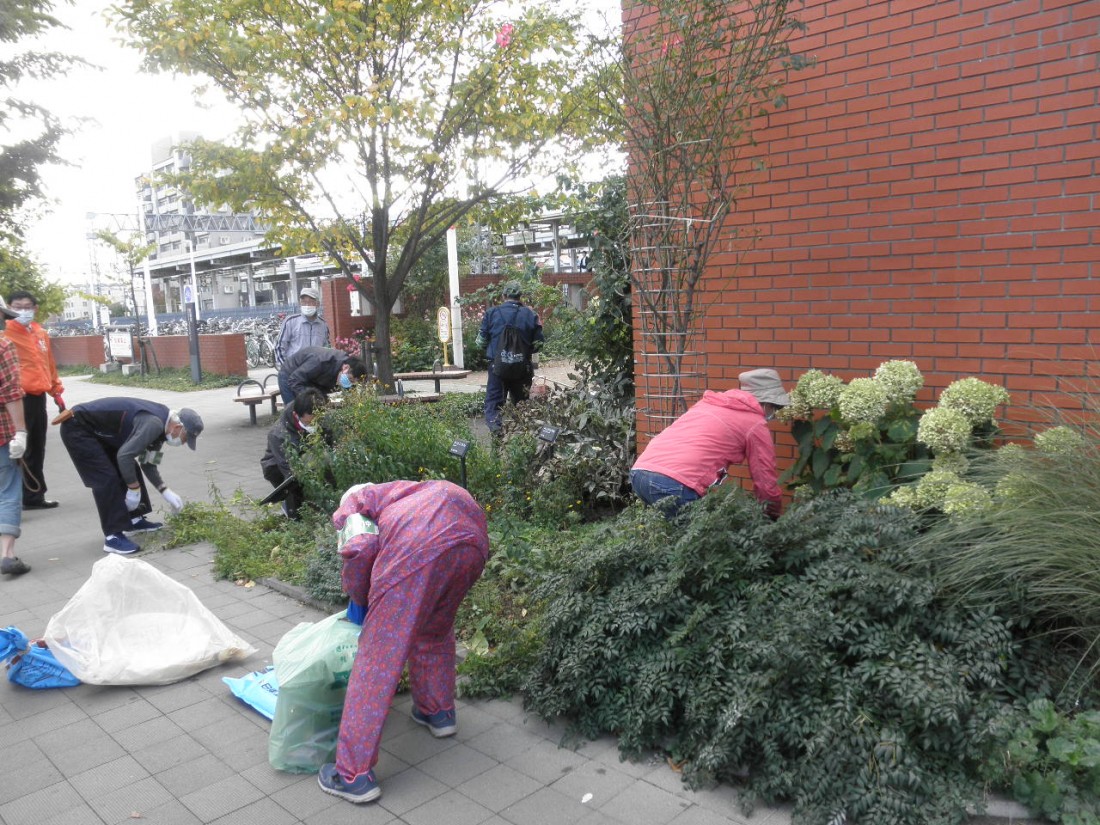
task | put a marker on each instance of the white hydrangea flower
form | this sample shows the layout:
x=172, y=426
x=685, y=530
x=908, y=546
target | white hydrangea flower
x=931, y=490
x=953, y=462
x=944, y=430
x=862, y=400
x=818, y=390
x=902, y=497
x=900, y=379
x=965, y=499
x=974, y=398
x=1061, y=441
x=1013, y=487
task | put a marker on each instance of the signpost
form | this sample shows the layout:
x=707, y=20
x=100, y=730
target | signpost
x=443, y=323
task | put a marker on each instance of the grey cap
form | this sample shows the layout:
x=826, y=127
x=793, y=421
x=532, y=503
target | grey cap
x=512, y=289
x=192, y=423
x=766, y=386
x=310, y=292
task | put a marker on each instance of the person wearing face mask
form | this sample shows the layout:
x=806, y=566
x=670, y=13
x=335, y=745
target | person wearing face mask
x=693, y=453
x=321, y=368
x=115, y=444
x=295, y=423
x=305, y=329
x=38, y=375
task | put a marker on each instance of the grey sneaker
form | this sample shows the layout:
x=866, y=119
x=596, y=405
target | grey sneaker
x=14, y=567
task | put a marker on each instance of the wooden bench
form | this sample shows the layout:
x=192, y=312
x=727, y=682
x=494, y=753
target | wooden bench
x=432, y=375
x=254, y=399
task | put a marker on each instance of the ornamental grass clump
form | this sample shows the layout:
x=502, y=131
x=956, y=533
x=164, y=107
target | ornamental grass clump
x=1036, y=535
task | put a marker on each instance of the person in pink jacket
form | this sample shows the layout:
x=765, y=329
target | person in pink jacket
x=693, y=453
x=431, y=545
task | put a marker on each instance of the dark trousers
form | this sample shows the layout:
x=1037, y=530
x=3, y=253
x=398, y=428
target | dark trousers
x=292, y=495
x=97, y=465
x=497, y=391
x=37, y=420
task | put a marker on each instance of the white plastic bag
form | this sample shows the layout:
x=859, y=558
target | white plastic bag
x=130, y=624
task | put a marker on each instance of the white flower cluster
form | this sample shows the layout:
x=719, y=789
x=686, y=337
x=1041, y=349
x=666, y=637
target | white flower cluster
x=942, y=490
x=953, y=462
x=974, y=398
x=900, y=380
x=944, y=430
x=1061, y=441
x=965, y=498
x=862, y=400
x=819, y=390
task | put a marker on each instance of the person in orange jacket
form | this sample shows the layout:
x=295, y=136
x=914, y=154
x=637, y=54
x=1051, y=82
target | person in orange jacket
x=38, y=375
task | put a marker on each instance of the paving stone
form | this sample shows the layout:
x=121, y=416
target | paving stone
x=163, y=755
x=172, y=812
x=46, y=799
x=345, y=813
x=134, y=712
x=81, y=815
x=193, y=775
x=109, y=776
x=545, y=806
x=407, y=790
x=260, y=812
x=220, y=798
x=454, y=810
x=503, y=742
x=206, y=713
x=169, y=698
x=26, y=769
x=149, y=732
x=418, y=745
x=603, y=782
x=641, y=801
x=698, y=815
x=546, y=762
x=97, y=699
x=120, y=804
x=455, y=765
x=79, y=747
x=499, y=787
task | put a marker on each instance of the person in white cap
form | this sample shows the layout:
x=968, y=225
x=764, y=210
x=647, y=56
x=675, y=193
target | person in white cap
x=693, y=453
x=306, y=328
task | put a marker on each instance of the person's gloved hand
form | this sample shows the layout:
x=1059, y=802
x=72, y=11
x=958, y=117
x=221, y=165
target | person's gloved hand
x=535, y=360
x=133, y=498
x=17, y=447
x=57, y=399
x=174, y=501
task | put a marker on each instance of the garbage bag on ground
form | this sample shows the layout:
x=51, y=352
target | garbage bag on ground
x=32, y=664
x=259, y=690
x=313, y=663
x=130, y=624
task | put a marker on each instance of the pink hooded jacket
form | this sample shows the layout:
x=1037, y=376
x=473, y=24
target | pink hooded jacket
x=721, y=429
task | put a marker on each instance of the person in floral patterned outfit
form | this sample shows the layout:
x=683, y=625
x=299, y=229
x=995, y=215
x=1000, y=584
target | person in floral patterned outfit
x=431, y=546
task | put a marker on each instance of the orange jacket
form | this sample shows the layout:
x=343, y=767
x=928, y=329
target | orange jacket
x=37, y=369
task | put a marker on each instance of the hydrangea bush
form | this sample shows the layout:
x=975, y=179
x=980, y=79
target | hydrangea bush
x=868, y=435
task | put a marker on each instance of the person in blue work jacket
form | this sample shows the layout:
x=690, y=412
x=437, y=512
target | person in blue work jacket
x=305, y=328
x=510, y=313
x=116, y=444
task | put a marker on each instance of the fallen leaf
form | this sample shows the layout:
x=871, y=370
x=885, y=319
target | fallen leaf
x=586, y=798
x=676, y=766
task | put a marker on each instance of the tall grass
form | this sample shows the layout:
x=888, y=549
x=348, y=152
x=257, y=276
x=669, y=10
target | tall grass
x=1036, y=551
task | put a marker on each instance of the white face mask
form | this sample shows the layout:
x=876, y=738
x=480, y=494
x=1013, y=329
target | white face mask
x=309, y=312
x=173, y=421
x=173, y=440
x=25, y=316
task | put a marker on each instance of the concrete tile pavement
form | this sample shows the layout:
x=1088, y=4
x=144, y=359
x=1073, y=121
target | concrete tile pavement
x=191, y=753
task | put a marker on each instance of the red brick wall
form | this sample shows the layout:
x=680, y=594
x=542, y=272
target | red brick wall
x=218, y=354
x=932, y=193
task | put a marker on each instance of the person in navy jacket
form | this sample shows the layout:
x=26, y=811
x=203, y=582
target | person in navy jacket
x=511, y=312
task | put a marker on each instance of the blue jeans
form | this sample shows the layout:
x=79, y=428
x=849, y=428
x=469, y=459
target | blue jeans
x=653, y=487
x=11, y=494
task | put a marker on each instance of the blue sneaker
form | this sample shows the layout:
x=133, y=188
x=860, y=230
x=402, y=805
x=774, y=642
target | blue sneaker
x=441, y=723
x=119, y=544
x=143, y=525
x=364, y=788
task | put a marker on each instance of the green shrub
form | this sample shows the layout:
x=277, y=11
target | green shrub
x=1050, y=761
x=799, y=651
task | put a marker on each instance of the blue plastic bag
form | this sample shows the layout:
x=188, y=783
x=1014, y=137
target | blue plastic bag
x=32, y=664
x=259, y=690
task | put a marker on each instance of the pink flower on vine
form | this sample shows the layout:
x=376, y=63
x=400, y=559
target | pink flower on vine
x=351, y=287
x=504, y=36
x=676, y=41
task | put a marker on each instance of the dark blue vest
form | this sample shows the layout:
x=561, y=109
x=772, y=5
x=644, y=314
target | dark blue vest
x=112, y=419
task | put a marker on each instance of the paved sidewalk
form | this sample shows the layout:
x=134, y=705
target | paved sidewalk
x=191, y=753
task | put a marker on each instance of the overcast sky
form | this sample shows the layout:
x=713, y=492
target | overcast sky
x=130, y=110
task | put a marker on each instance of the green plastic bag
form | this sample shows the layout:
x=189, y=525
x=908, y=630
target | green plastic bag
x=312, y=666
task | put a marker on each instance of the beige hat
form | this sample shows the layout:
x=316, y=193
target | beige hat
x=766, y=386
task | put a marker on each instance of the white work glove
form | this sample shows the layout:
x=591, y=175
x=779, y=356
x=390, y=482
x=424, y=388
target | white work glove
x=535, y=360
x=133, y=498
x=17, y=447
x=174, y=501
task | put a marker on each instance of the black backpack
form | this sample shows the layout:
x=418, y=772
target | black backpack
x=513, y=359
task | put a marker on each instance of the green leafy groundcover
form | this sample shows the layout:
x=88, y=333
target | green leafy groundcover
x=802, y=654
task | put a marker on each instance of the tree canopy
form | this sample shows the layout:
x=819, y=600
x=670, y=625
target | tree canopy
x=34, y=131
x=371, y=128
